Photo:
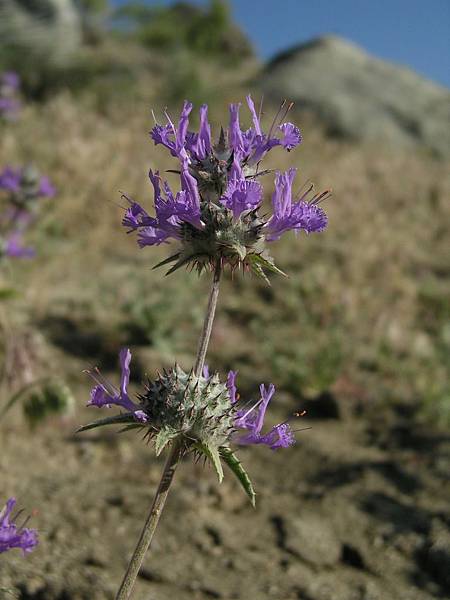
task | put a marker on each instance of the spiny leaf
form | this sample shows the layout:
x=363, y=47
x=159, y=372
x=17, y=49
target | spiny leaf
x=129, y=427
x=115, y=420
x=183, y=261
x=166, y=261
x=212, y=453
x=267, y=263
x=240, y=250
x=258, y=271
x=235, y=465
x=163, y=437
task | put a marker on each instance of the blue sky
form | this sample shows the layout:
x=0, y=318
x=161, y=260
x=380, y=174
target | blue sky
x=415, y=33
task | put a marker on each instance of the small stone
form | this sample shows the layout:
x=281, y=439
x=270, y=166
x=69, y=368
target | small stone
x=311, y=539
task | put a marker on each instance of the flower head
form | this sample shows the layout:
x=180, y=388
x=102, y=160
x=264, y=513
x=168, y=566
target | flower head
x=215, y=216
x=26, y=184
x=14, y=247
x=199, y=409
x=9, y=101
x=12, y=535
x=22, y=187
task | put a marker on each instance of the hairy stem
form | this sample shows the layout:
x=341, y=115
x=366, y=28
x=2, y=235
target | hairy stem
x=208, y=322
x=151, y=523
x=173, y=459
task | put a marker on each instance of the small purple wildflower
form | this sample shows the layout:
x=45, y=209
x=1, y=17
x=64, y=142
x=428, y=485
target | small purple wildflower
x=13, y=536
x=106, y=394
x=26, y=181
x=242, y=195
x=14, y=247
x=23, y=186
x=11, y=80
x=252, y=420
x=9, y=102
x=289, y=215
x=252, y=144
x=171, y=211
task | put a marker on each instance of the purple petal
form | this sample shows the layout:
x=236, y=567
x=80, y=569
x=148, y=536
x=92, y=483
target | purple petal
x=234, y=131
x=231, y=386
x=46, y=188
x=125, y=359
x=255, y=118
x=292, y=136
x=99, y=397
x=10, y=179
x=301, y=215
x=12, y=536
x=242, y=195
x=14, y=247
x=280, y=436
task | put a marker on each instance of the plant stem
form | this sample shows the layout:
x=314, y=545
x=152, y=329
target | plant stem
x=176, y=453
x=208, y=322
x=151, y=523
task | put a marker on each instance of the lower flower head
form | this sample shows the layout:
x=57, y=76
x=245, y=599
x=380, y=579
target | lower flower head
x=198, y=409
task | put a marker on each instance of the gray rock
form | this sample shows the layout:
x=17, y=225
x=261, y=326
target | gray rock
x=312, y=539
x=44, y=30
x=361, y=97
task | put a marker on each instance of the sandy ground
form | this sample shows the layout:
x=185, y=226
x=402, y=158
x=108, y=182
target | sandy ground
x=355, y=511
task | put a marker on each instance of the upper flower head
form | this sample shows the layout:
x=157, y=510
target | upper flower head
x=215, y=215
x=12, y=535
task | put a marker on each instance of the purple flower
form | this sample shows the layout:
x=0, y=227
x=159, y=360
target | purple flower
x=221, y=194
x=173, y=138
x=287, y=215
x=252, y=421
x=46, y=188
x=9, y=103
x=242, y=195
x=171, y=211
x=25, y=180
x=11, y=80
x=14, y=247
x=252, y=145
x=105, y=393
x=10, y=179
x=13, y=536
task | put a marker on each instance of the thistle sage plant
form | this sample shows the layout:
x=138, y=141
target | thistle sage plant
x=21, y=189
x=216, y=220
x=9, y=91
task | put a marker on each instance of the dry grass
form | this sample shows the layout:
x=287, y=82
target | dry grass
x=364, y=313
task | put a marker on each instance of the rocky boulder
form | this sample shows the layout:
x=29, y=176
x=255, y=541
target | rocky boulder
x=358, y=96
x=40, y=32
